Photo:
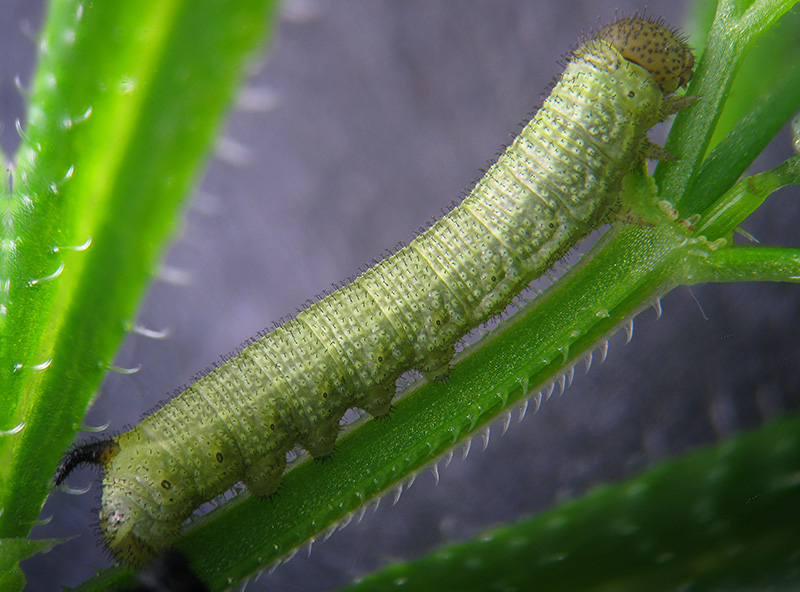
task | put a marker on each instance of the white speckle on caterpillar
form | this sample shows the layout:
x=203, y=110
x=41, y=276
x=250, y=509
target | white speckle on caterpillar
x=559, y=180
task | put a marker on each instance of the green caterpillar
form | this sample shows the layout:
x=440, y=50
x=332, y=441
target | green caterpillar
x=559, y=180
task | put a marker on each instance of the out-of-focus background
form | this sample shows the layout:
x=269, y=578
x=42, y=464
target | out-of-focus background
x=359, y=124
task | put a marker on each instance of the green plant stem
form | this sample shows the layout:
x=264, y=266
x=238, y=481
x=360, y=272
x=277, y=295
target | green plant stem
x=745, y=197
x=747, y=264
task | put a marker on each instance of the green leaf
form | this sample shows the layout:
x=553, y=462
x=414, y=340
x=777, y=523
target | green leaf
x=124, y=105
x=745, y=197
x=14, y=550
x=770, y=64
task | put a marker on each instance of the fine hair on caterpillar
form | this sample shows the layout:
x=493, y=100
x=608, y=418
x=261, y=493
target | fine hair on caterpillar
x=558, y=181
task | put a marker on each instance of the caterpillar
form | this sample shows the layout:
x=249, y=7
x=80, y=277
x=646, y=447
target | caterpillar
x=558, y=180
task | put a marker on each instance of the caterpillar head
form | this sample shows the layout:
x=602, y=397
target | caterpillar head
x=146, y=498
x=138, y=505
x=126, y=523
x=654, y=47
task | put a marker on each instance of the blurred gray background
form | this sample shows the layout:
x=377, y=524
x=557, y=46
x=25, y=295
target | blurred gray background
x=380, y=115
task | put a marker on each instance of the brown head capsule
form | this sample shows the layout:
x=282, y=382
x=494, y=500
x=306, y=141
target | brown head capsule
x=654, y=47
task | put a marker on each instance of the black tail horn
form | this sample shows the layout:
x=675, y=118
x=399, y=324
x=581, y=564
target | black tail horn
x=96, y=452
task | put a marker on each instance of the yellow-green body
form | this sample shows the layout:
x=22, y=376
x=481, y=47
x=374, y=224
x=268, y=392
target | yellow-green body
x=557, y=182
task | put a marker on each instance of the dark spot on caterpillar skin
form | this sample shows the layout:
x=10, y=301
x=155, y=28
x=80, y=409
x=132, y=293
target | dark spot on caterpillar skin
x=559, y=180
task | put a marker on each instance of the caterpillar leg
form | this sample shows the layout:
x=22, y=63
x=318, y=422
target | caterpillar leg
x=673, y=105
x=320, y=442
x=669, y=107
x=436, y=366
x=656, y=152
x=263, y=474
x=379, y=402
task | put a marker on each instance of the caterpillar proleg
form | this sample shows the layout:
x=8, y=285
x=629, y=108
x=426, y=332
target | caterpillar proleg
x=558, y=181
